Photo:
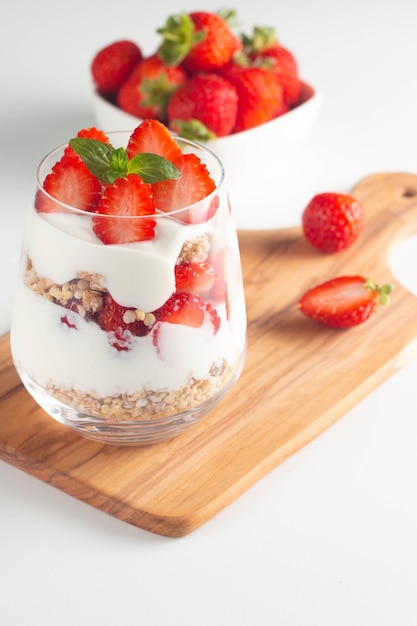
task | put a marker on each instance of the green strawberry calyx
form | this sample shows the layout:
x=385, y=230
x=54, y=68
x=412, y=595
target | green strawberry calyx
x=383, y=291
x=178, y=37
x=108, y=163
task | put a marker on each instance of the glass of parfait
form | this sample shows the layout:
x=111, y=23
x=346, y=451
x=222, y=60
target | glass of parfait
x=129, y=319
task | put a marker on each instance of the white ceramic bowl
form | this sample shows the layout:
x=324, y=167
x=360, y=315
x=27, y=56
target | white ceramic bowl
x=255, y=160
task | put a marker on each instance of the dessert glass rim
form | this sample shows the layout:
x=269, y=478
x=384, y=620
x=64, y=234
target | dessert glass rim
x=67, y=208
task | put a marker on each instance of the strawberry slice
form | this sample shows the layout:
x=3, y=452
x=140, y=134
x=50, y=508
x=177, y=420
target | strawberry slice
x=196, y=278
x=87, y=133
x=189, y=310
x=112, y=318
x=154, y=137
x=71, y=183
x=194, y=185
x=344, y=301
x=128, y=203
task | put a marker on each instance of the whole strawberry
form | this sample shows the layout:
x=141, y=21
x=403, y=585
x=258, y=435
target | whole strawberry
x=203, y=108
x=260, y=96
x=264, y=50
x=201, y=41
x=344, y=301
x=112, y=65
x=146, y=93
x=333, y=221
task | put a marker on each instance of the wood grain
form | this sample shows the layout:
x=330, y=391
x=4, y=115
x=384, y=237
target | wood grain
x=299, y=378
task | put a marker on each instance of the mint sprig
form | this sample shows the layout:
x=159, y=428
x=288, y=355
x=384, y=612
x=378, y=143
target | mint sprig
x=108, y=163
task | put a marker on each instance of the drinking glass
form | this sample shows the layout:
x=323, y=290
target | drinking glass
x=156, y=373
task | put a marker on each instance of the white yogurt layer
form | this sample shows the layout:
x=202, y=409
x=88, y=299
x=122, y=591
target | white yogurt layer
x=81, y=358
x=139, y=275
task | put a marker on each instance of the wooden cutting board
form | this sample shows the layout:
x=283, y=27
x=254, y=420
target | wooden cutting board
x=299, y=378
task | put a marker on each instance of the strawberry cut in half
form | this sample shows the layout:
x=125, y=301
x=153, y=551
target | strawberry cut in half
x=152, y=136
x=72, y=184
x=192, y=188
x=189, y=310
x=343, y=302
x=196, y=278
x=125, y=211
x=112, y=318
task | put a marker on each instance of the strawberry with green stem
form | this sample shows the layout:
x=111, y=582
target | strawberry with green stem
x=200, y=41
x=344, y=301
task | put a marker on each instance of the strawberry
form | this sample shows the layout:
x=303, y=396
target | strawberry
x=149, y=87
x=194, y=185
x=264, y=50
x=333, y=221
x=259, y=92
x=112, y=318
x=189, y=310
x=207, y=99
x=201, y=41
x=152, y=136
x=196, y=278
x=71, y=183
x=344, y=301
x=112, y=65
x=131, y=199
x=88, y=133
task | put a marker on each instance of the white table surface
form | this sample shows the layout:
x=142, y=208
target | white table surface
x=328, y=538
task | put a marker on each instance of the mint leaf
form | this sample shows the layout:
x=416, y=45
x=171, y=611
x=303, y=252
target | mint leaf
x=95, y=155
x=152, y=168
x=108, y=163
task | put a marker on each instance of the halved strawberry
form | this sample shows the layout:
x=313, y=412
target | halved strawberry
x=87, y=133
x=111, y=319
x=193, y=187
x=71, y=183
x=196, y=278
x=188, y=309
x=154, y=137
x=344, y=301
x=128, y=204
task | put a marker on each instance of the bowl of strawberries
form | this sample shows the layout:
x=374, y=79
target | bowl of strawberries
x=241, y=96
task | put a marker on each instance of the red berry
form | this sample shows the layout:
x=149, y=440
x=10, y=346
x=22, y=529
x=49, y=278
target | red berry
x=124, y=211
x=196, y=278
x=149, y=87
x=154, y=137
x=112, y=318
x=112, y=65
x=189, y=310
x=260, y=95
x=333, y=221
x=208, y=99
x=194, y=186
x=72, y=184
x=344, y=301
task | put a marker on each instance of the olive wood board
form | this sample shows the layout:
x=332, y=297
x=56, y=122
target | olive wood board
x=299, y=378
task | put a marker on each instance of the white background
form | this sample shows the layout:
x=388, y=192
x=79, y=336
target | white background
x=329, y=538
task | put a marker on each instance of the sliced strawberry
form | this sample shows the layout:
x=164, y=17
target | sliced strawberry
x=87, y=133
x=154, y=137
x=194, y=185
x=223, y=267
x=344, y=301
x=112, y=318
x=189, y=310
x=196, y=278
x=71, y=183
x=128, y=203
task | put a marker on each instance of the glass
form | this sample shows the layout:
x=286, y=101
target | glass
x=120, y=386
